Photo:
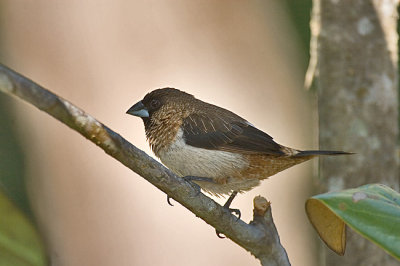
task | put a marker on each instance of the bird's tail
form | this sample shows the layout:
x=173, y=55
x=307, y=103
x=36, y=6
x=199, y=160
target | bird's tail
x=316, y=153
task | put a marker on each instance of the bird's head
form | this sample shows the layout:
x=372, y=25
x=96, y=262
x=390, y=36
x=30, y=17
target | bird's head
x=162, y=112
x=161, y=103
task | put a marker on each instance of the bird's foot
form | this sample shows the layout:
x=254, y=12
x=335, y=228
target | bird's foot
x=226, y=206
x=238, y=215
x=190, y=180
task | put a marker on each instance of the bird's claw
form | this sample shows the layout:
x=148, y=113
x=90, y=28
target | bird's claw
x=189, y=179
x=235, y=211
x=169, y=201
x=219, y=234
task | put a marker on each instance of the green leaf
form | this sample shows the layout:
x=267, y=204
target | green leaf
x=371, y=210
x=20, y=243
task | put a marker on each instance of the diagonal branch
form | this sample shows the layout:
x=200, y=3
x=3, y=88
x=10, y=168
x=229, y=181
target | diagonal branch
x=259, y=237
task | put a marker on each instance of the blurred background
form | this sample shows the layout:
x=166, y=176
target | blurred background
x=247, y=56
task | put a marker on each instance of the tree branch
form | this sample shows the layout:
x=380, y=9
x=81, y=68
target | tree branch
x=259, y=237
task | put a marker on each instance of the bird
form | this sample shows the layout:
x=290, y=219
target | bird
x=214, y=148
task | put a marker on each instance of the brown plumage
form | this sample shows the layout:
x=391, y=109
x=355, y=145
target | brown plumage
x=195, y=138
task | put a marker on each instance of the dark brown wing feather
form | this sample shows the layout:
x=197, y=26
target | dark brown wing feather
x=227, y=133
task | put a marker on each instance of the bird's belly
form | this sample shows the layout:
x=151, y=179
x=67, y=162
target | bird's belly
x=192, y=161
x=225, y=168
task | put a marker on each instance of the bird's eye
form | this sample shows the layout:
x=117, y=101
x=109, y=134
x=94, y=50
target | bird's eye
x=154, y=104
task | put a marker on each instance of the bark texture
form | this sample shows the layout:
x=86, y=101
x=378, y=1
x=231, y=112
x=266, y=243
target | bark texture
x=355, y=55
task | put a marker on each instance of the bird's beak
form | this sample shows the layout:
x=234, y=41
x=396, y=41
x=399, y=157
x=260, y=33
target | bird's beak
x=138, y=109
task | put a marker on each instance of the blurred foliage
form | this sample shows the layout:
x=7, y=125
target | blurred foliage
x=12, y=170
x=398, y=67
x=299, y=12
x=373, y=211
x=20, y=243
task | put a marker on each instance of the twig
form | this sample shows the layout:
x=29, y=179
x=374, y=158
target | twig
x=259, y=237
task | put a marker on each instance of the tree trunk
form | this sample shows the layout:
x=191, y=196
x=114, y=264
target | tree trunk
x=356, y=48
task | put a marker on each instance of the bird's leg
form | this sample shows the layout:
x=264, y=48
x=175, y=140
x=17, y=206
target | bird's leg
x=226, y=206
x=190, y=179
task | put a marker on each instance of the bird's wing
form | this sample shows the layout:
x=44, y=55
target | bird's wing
x=230, y=133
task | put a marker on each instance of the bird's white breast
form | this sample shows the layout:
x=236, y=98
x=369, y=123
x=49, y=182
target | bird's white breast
x=186, y=160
